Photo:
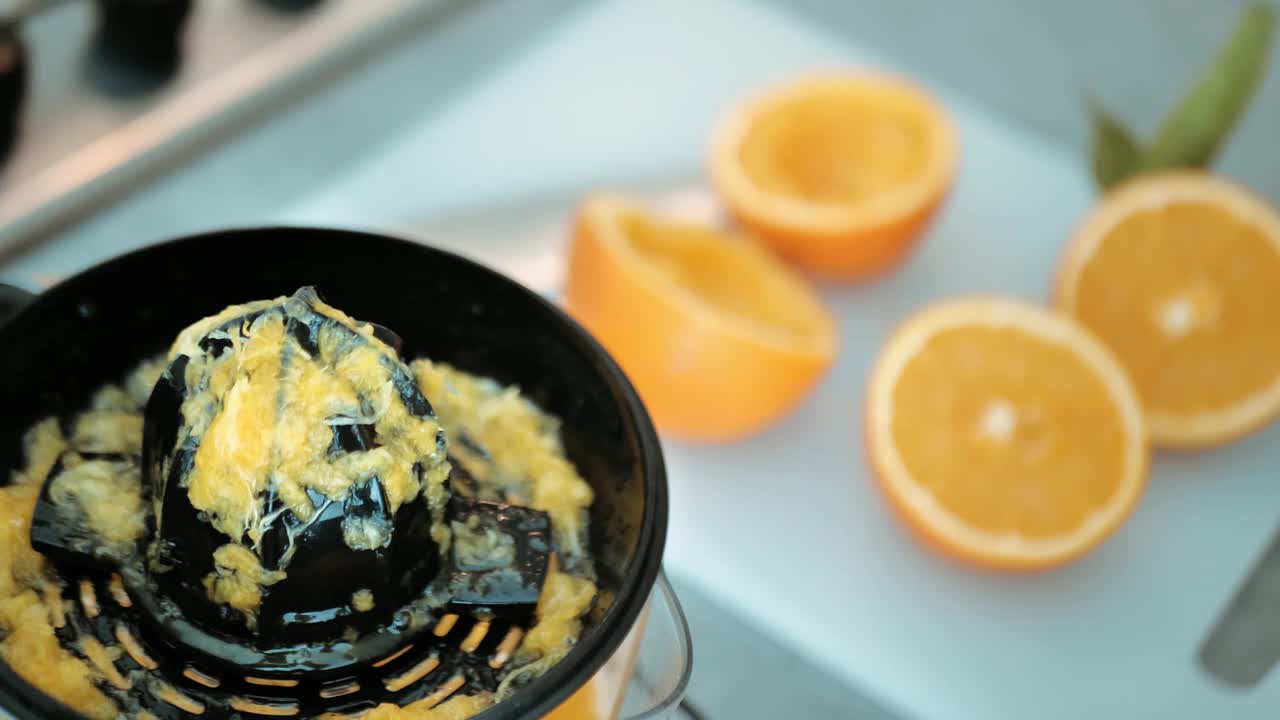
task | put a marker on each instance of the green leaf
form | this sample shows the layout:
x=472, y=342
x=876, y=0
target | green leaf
x=1114, y=154
x=1197, y=128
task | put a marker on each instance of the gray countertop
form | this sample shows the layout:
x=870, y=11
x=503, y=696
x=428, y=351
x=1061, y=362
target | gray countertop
x=1034, y=60
x=248, y=178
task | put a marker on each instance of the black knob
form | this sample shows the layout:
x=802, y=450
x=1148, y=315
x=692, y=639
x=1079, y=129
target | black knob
x=13, y=87
x=12, y=299
x=137, y=45
x=290, y=5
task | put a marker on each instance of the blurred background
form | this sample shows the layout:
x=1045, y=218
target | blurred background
x=479, y=124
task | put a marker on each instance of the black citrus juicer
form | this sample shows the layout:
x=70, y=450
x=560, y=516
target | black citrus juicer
x=441, y=619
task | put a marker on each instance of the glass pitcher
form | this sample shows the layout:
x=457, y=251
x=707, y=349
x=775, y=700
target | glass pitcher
x=647, y=677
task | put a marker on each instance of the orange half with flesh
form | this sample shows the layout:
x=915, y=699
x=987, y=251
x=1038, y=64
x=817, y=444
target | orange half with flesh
x=840, y=172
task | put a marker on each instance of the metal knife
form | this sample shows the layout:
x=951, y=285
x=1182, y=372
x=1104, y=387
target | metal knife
x=1245, y=643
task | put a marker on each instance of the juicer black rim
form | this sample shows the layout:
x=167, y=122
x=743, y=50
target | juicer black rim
x=24, y=702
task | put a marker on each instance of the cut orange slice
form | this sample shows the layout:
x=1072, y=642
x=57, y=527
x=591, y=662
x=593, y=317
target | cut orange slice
x=719, y=338
x=1179, y=273
x=839, y=171
x=1004, y=434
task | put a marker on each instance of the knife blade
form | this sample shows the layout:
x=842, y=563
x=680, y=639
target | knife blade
x=1244, y=643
